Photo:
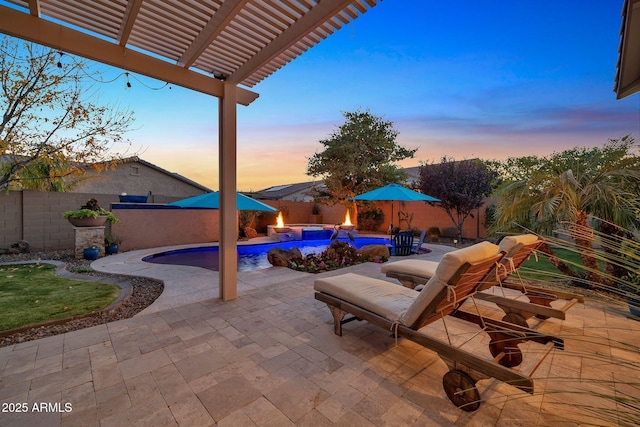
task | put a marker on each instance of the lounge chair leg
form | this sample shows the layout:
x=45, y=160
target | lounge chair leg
x=503, y=343
x=515, y=318
x=337, y=314
x=461, y=390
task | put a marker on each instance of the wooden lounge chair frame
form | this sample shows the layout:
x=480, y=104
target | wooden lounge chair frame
x=516, y=311
x=465, y=368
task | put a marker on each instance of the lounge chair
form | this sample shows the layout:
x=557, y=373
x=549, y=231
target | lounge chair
x=517, y=249
x=404, y=311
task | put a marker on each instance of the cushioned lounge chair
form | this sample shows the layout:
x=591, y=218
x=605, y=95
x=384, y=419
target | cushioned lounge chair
x=404, y=311
x=517, y=249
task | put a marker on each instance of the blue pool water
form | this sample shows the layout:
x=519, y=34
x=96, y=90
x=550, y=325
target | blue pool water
x=250, y=257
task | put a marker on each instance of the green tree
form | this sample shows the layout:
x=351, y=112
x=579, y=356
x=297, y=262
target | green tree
x=574, y=187
x=461, y=186
x=358, y=157
x=50, y=128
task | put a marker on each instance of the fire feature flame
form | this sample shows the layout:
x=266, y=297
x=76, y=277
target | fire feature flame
x=279, y=221
x=347, y=219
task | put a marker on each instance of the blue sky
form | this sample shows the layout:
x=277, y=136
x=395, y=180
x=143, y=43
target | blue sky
x=490, y=79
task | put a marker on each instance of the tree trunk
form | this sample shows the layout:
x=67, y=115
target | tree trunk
x=583, y=237
x=557, y=262
x=612, y=269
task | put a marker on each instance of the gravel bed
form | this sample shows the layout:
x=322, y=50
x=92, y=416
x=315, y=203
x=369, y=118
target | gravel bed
x=144, y=292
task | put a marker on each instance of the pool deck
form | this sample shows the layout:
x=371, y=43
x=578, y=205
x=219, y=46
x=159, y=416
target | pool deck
x=270, y=358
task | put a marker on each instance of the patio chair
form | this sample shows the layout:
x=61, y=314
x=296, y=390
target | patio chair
x=517, y=249
x=404, y=311
x=403, y=243
x=415, y=248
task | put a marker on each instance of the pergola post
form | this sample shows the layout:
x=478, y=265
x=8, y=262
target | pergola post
x=227, y=167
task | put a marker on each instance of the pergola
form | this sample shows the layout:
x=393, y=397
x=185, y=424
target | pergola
x=211, y=46
x=627, y=80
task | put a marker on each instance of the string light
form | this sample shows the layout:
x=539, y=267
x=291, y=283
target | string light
x=126, y=76
x=59, y=64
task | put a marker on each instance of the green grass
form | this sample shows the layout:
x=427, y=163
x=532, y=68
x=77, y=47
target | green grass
x=32, y=293
x=542, y=269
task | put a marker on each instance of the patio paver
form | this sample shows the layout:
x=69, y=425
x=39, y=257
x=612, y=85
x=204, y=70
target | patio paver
x=271, y=358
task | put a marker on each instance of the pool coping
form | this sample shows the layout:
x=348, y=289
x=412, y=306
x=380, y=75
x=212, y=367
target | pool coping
x=186, y=284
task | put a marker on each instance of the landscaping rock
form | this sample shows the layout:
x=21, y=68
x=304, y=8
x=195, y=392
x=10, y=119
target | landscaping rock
x=371, y=252
x=279, y=257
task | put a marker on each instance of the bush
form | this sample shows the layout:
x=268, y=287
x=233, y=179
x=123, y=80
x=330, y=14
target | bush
x=370, y=219
x=434, y=234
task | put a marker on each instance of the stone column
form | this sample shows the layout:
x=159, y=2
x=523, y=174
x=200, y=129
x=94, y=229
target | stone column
x=89, y=236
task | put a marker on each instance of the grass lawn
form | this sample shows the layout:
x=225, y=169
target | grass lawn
x=32, y=293
x=542, y=269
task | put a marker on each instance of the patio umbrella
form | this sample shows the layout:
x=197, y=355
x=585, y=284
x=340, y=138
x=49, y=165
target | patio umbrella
x=212, y=201
x=394, y=192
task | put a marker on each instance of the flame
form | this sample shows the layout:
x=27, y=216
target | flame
x=279, y=221
x=347, y=219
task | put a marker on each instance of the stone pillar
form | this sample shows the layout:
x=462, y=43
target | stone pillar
x=89, y=236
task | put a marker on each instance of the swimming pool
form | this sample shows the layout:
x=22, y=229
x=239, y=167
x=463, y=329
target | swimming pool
x=250, y=257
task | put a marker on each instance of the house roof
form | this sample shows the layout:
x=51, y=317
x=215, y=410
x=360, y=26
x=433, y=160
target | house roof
x=194, y=43
x=278, y=192
x=627, y=80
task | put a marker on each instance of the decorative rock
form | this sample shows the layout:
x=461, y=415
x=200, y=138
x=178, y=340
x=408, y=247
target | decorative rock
x=279, y=257
x=370, y=252
x=250, y=232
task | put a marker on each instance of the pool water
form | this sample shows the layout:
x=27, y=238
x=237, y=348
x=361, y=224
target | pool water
x=250, y=257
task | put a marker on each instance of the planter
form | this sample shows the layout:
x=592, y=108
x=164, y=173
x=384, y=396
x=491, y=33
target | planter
x=111, y=249
x=91, y=253
x=88, y=222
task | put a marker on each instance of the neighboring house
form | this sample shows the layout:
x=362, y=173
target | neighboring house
x=135, y=176
x=299, y=192
x=304, y=191
x=132, y=176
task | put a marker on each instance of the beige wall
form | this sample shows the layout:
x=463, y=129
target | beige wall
x=37, y=217
x=148, y=228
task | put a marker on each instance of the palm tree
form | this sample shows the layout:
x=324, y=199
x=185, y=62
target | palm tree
x=572, y=187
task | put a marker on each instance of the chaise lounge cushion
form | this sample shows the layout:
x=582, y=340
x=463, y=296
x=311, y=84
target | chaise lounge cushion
x=381, y=297
x=447, y=267
x=413, y=267
x=509, y=243
x=395, y=302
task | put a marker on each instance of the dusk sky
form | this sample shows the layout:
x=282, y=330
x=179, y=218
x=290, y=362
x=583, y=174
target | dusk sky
x=465, y=79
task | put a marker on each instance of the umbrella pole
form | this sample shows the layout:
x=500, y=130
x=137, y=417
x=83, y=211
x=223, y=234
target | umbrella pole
x=391, y=220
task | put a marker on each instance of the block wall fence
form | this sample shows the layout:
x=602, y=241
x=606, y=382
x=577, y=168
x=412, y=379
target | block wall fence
x=37, y=217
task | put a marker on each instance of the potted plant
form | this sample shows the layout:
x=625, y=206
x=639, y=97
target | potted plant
x=111, y=242
x=90, y=215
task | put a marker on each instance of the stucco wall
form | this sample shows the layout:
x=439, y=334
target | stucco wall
x=38, y=218
x=142, y=227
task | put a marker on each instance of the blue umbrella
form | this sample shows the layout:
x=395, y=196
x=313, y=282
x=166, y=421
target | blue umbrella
x=393, y=192
x=212, y=201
